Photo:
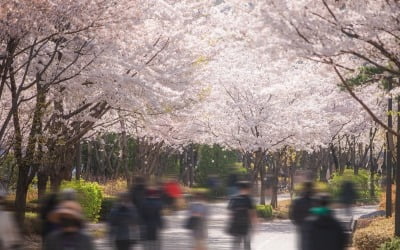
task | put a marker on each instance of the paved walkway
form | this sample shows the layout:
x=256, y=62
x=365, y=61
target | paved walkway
x=277, y=234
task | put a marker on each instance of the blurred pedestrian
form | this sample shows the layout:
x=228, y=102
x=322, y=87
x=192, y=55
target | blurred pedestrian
x=70, y=235
x=138, y=196
x=348, y=196
x=138, y=193
x=322, y=230
x=243, y=217
x=197, y=221
x=232, y=185
x=173, y=192
x=68, y=194
x=123, y=223
x=300, y=210
x=48, y=205
x=10, y=237
x=152, y=219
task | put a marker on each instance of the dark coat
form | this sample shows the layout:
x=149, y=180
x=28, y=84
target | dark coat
x=122, y=220
x=323, y=232
x=348, y=194
x=300, y=209
x=152, y=218
x=138, y=194
x=76, y=241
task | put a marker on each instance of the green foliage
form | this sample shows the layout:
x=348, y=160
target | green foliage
x=8, y=171
x=90, y=197
x=319, y=186
x=361, y=182
x=264, y=211
x=214, y=160
x=366, y=75
x=394, y=244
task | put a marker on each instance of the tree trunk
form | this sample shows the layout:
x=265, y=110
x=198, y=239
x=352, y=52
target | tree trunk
x=21, y=194
x=388, y=160
x=372, y=167
x=275, y=182
x=263, y=186
x=42, y=184
x=397, y=201
x=78, y=160
x=55, y=183
x=335, y=158
x=323, y=173
x=291, y=186
x=342, y=165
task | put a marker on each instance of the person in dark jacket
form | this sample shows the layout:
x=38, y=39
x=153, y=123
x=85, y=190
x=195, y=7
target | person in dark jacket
x=348, y=196
x=138, y=193
x=138, y=196
x=243, y=217
x=70, y=235
x=48, y=205
x=300, y=209
x=123, y=223
x=322, y=230
x=152, y=219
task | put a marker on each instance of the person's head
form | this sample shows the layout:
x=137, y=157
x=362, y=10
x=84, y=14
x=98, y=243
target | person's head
x=308, y=189
x=139, y=180
x=68, y=215
x=323, y=199
x=124, y=198
x=244, y=187
x=68, y=194
x=152, y=192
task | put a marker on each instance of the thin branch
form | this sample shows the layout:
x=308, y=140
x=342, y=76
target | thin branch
x=373, y=116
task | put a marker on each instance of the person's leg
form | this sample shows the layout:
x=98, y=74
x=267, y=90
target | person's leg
x=236, y=242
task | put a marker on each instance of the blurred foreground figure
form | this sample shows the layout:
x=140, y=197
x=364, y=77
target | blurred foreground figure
x=138, y=197
x=322, y=230
x=152, y=219
x=243, y=217
x=70, y=236
x=348, y=196
x=197, y=221
x=9, y=233
x=232, y=185
x=48, y=205
x=123, y=223
x=300, y=210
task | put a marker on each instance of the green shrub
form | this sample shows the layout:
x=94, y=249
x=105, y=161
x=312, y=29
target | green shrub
x=89, y=195
x=106, y=205
x=374, y=235
x=361, y=183
x=392, y=245
x=264, y=211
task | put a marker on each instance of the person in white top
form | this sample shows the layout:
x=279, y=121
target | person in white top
x=198, y=212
